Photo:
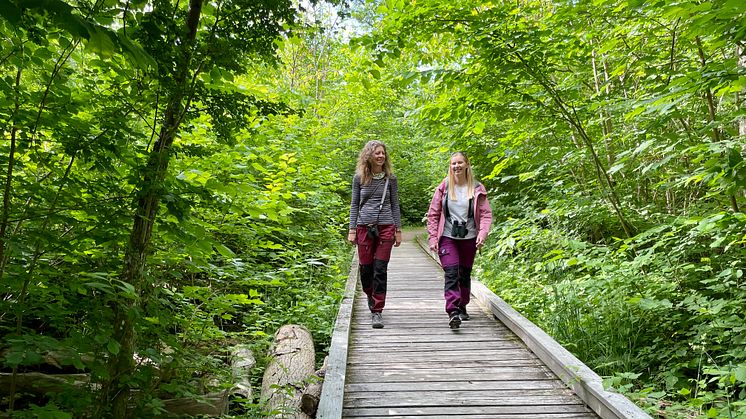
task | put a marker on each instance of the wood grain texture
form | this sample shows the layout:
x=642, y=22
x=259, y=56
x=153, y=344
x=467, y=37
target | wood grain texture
x=416, y=366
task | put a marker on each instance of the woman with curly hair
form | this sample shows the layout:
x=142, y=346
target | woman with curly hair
x=375, y=223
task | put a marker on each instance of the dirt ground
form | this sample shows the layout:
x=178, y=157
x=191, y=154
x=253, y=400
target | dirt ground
x=408, y=234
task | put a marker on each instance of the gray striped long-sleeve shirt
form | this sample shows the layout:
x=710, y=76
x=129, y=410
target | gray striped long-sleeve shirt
x=370, y=196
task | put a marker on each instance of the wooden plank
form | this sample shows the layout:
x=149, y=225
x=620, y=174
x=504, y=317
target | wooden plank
x=533, y=412
x=416, y=366
x=465, y=398
x=586, y=383
x=458, y=385
x=439, y=346
x=460, y=415
x=443, y=356
x=455, y=375
x=431, y=364
x=550, y=395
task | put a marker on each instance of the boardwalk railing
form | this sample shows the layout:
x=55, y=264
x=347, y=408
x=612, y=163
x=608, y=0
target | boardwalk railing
x=586, y=384
x=332, y=393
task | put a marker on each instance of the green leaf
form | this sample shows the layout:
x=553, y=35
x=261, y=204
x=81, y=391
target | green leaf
x=740, y=373
x=224, y=251
x=141, y=58
x=113, y=347
x=100, y=42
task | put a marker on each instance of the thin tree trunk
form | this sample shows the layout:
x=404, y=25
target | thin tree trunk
x=38, y=253
x=606, y=120
x=116, y=391
x=741, y=54
x=711, y=113
x=708, y=94
x=9, y=173
x=569, y=115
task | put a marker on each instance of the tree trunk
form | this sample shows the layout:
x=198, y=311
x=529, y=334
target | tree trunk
x=116, y=390
x=7, y=188
x=711, y=114
x=606, y=126
x=309, y=402
x=292, y=364
x=213, y=404
x=40, y=384
x=242, y=361
x=741, y=55
x=567, y=112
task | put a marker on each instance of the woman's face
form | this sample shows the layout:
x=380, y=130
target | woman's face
x=379, y=157
x=458, y=165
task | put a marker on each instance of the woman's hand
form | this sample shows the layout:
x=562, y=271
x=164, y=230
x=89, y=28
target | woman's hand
x=434, y=247
x=352, y=236
x=480, y=242
x=397, y=239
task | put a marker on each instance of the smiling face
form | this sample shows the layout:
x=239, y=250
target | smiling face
x=459, y=166
x=378, y=159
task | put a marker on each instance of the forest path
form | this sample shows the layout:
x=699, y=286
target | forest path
x=416, y=366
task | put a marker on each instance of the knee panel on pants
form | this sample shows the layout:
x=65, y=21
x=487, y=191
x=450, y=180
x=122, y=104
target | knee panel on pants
x=380, y=265
x=451, y=274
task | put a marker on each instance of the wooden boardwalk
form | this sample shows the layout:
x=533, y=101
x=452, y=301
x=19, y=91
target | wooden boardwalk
x=416, y=366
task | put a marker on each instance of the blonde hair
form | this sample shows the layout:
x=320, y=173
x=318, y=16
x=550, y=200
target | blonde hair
x=469, y=176
x=365, y=162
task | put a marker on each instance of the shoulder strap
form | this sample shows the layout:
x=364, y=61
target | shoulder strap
x=383, y=197
x=470, y=213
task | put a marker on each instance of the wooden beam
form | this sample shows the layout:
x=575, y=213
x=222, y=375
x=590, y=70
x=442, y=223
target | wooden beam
x=332, y=392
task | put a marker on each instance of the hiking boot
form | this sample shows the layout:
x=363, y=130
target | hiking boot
x=454, y=321
x=377, y=320
x=463, y=314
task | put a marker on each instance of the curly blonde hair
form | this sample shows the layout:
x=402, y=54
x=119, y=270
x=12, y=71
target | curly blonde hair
x=365, y=162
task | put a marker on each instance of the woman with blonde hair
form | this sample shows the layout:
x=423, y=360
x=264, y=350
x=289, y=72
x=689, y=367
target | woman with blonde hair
x=375, y=223
x=458, y=221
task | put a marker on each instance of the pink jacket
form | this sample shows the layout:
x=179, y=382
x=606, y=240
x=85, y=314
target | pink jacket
x=436, y=219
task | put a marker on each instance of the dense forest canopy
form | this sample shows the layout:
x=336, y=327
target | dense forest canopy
x=175, y=180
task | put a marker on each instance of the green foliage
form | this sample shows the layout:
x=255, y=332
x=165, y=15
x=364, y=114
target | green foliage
x=661, y=302
x=606, y=132
x=246, y=239
x=608, y=136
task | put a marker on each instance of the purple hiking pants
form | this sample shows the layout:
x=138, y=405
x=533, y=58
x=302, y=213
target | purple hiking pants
x=457, y=258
